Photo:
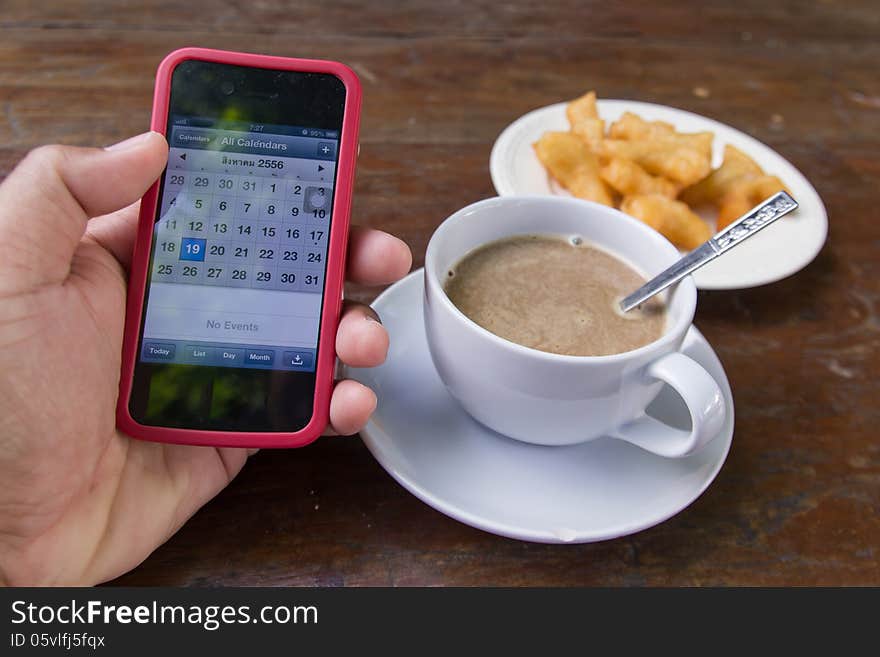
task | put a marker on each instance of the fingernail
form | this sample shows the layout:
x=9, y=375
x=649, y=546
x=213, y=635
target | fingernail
x=131, y=142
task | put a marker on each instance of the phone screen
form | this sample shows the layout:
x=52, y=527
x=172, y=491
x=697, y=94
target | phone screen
x=232, y=315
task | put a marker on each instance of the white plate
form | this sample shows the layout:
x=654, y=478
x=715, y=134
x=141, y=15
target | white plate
x=578, y=494
x=778, y=251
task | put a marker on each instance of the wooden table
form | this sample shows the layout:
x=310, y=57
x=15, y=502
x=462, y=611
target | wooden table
x=798, y=501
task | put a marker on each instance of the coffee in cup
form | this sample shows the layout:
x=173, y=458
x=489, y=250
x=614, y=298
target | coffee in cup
x=556, y=398
x=554, y=293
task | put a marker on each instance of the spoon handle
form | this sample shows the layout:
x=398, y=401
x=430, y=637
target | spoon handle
x=751, y=222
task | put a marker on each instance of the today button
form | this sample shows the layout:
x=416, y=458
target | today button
x=159, y=350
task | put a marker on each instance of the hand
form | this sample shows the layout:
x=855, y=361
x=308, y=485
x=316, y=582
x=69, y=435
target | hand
x=81, y=503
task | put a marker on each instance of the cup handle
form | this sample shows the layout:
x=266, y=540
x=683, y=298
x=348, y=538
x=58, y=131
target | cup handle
x=701, y=395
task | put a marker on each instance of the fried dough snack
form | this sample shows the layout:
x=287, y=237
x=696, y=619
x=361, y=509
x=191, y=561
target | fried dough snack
x=716, y=185
x=629, y=179
x=673, y=219
x=584, y=119
x=658, y=172
x=662, y=157
x=582, y=108
x=632, y=127
x=745, y=194
x=573, y=165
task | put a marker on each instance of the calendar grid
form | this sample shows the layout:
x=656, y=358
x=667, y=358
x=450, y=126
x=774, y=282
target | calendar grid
x=242, y=231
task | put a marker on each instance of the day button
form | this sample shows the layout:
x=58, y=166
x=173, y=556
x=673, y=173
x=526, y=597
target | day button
x=230, y=357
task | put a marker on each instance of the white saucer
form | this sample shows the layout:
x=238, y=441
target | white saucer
x=588, y=492
x=780, y=250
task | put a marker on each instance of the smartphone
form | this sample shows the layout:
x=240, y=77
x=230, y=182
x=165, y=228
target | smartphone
x=237, y=274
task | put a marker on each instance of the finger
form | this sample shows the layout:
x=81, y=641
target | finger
x=48, y=198
x=116, y=232
x=351, y=405
x=376, y=257
x=361, y=340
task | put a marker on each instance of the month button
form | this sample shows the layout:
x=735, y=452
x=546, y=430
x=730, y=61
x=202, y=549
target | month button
x=259, y=357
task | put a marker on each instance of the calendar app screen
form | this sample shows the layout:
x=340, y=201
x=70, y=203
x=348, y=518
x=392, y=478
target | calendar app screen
x=240, y=245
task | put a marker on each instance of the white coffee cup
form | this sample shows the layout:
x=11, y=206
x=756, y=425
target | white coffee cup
x=552, y=399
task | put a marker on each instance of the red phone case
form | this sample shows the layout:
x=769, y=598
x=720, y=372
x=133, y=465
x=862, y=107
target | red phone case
x=337, y=242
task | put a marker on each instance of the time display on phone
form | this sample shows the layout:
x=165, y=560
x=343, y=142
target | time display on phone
x=240, y=245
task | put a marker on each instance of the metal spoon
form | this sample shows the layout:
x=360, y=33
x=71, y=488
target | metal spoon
x=747, y=225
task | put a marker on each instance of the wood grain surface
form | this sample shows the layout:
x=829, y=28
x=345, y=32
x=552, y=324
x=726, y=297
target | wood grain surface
x=798, y=501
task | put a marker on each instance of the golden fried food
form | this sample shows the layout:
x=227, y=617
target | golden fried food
x=699, y=141
x=661, y=157
x=648, y=164
x=630, y=179
x=673, y=219
x=745, y=194
x=716, y=185
x=632, y=127
x=584, y=119
x=592, y=131
x=731, y=208
x=573, y=165
x=582, y=108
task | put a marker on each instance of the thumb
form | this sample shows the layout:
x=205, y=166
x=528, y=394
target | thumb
x=47, y=200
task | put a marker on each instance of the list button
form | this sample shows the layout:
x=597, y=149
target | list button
x=196, y=354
